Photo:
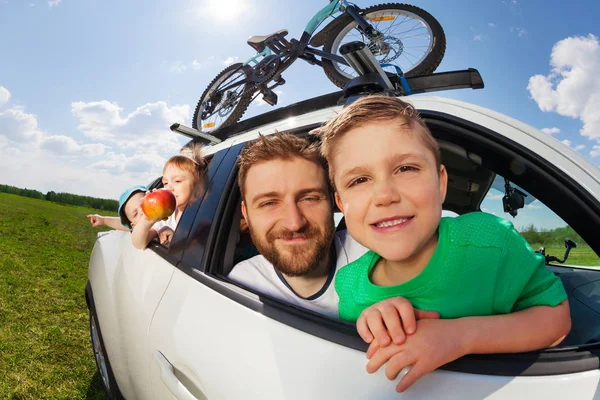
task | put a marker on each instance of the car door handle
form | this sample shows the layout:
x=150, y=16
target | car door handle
x=167, y=374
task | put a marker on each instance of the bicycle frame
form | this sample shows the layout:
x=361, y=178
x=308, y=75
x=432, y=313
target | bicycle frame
x=312, y=25
x=333, y=7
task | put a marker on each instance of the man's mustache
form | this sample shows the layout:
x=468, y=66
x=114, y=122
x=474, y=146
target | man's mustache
x=304, y=233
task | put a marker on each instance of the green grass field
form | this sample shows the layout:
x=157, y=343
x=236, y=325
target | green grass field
x=45, y=350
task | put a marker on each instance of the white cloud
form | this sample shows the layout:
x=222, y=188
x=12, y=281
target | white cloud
x=19, y=126
x=579, y=147
x=45, y=171
x=535, y=205
x=4, y=95
x=595, y=151
x=53, y=3
x=144, y=130
x=566, y=142
x=177, y=67
x=572, y=88
x=230, y=60
x=491, y=25
x=138, y=164
x=65, y=145
x=550, y=131
x=478, y=38
x=519, y=31
x=200, y=65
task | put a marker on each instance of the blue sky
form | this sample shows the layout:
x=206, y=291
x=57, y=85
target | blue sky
x=88, y=88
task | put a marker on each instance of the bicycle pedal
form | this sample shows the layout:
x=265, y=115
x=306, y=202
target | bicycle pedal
x=269, y=96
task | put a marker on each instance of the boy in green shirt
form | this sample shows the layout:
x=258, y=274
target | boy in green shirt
x=494, y=294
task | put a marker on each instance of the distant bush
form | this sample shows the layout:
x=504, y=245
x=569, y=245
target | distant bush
x=64, y=198
x=551, y=237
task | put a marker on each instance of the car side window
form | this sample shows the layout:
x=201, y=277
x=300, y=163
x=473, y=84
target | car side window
x=539, y=225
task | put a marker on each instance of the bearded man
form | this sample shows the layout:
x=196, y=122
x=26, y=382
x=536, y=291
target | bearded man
x=288, y=206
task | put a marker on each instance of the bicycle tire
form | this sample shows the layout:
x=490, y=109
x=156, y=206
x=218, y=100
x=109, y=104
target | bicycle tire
x=425, y=66
x=238, y=110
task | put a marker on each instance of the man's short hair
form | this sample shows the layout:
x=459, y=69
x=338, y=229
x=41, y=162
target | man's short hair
x=369, y=109
x=279, y=146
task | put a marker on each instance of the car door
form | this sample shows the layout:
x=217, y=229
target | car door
x=126, y=286
x=211, y=338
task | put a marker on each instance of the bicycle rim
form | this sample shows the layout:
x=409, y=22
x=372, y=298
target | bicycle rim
x=226, y=102
x=407, y=39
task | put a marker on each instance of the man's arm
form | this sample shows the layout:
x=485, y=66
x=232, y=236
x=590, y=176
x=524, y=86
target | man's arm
x=438, y=342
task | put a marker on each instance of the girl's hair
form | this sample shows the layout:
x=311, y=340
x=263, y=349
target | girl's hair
x=191, y=159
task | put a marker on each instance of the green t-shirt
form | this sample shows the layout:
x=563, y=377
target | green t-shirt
x=481, y=266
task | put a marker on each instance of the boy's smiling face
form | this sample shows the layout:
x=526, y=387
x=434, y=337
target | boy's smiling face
x=390, y=190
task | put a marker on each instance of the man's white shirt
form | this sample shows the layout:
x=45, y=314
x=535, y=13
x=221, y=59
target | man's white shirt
x=260, y=275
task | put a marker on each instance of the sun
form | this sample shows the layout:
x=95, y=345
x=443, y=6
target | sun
x=224, y=10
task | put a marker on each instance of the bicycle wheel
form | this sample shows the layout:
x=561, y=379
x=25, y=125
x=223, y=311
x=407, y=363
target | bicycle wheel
x=410, y=38
x=217, y=108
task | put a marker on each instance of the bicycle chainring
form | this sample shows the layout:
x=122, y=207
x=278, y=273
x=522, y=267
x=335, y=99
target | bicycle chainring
x=265, y=69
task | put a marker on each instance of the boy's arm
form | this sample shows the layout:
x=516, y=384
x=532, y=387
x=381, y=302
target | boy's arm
x=390, y=320
x=438, y=342
x=143, y=233
x=112, y=222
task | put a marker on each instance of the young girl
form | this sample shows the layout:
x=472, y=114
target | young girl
x=181, y=174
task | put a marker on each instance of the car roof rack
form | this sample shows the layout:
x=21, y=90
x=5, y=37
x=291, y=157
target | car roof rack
x=371, y=79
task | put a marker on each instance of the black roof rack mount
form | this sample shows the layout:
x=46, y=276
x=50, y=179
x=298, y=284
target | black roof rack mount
x=373, y=79
x=194, y=134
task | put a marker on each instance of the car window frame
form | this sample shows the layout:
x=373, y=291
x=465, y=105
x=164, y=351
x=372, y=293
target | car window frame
x=211, y=213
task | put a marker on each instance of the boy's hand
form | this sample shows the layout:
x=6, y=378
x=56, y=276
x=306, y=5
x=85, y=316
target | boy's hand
x=165, y=235
x=393, y=317
x=435, y=343
x=96, y=220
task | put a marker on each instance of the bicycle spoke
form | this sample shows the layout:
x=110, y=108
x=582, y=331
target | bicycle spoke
x=406, y=39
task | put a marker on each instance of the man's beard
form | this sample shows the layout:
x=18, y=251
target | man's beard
x=295, y=259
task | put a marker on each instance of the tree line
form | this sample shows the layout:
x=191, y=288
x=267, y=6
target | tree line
x=550, y=237
x=64, y=198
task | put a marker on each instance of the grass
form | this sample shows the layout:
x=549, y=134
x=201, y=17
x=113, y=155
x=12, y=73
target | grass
x=45, y=350
x=582, y=255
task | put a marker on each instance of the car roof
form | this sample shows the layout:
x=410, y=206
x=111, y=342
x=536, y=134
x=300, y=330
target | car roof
x=293, y=118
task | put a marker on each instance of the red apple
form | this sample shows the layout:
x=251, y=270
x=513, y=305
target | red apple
x=159, y=204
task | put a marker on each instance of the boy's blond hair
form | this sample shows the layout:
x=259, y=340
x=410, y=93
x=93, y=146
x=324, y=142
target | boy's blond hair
x=279, y=146
x=191, y=159
x=368, y=109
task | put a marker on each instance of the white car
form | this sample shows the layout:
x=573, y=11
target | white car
x=167, y=323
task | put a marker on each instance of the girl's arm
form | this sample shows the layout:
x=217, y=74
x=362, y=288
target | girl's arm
x=143, y=233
